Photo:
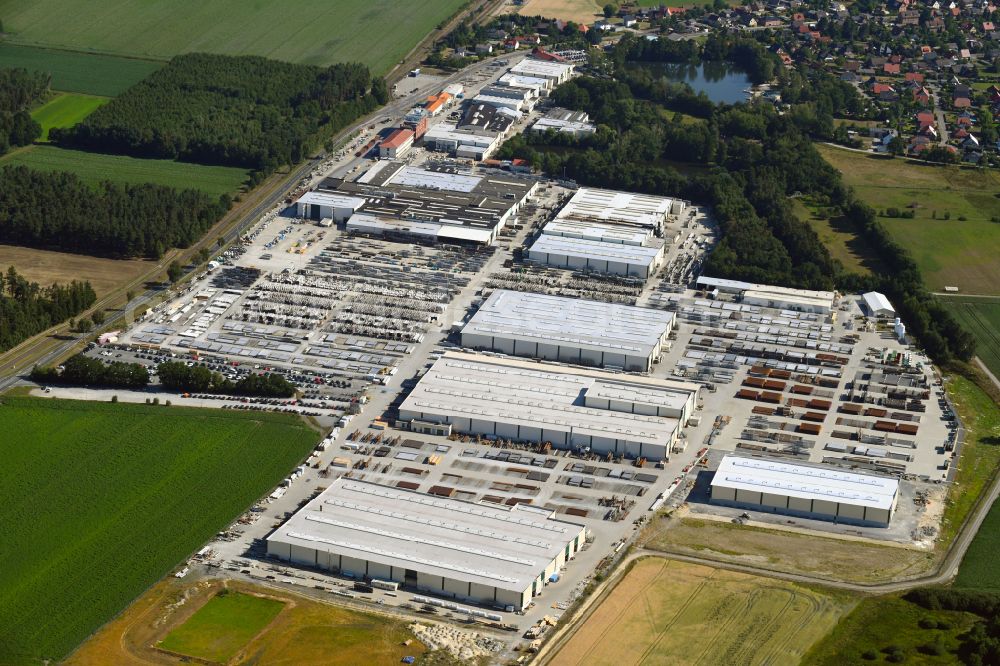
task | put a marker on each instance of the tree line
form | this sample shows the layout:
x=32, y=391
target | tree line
x=199, y=379
x=243, y=111
x=59, y=211
x=19, y=91
x=83, y=370
x=27, y=309
x=751, y=162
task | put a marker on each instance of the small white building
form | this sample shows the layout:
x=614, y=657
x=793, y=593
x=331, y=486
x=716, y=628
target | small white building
x=877, y=305
x=449, y=138
x=322, y=205
x=820, y=493
x=397, y=144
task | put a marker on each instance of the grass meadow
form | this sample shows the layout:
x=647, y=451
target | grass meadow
x=96, y=167
x=220, y=628
x=66, y=110
x=981, y=317
x=100, y=500
x=87, y=73
x=376, y=32
x=957, y=252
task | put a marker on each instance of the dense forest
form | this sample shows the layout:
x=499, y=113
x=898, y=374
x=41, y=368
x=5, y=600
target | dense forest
x=27, y=309
x=241, y=111
x=19, y=91
x=59, y=211
x=750, y=161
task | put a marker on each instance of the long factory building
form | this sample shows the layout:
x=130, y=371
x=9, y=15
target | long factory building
x=770, y=296
x=807, y=491
x=621, y=208
x=633, y=416
x=556, y=328
x=641, y=261
x=394, y=199
x=491, y=555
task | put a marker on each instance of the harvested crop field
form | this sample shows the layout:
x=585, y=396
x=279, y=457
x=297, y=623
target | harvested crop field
x=72, y=71
x=376, y=32
x=668, y=612
x=65, y=110
x=46, y=267
x=306, y=631
x=118, y=495
x=959, y=251
x=581, y=11
x=780, y=550
x=95, y=167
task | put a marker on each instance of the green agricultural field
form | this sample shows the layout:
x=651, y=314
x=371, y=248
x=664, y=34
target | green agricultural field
x=100, y=500
x=376, y=32
x=958, y=252
x=66, y=110
x=77, y=72
x=95, y=167
x=981, y=417
x=981, y=317
x=220, y=628
x=881, y=626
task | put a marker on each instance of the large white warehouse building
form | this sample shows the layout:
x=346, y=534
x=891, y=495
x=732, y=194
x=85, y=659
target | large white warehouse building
x=627, y=208
x=572, y=330
x=640, y=261
x=491, y=555
x=820, y=493
x=536, y=402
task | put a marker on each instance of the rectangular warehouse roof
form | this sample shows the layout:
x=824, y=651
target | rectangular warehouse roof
x=541, y=395
x=621, y=329
x=580, y=247
x=606, y=233
x=372, y=224
x=738, y=285
x=493, y=546
x=410, y=176
x=332, y=199
x=806, y=482
x=643, y=210
x=541, y=68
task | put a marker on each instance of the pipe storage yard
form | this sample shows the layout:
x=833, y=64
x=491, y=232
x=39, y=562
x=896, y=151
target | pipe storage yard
x=496, y=556
x=555, y=328
x=807, y=491
x=567, y=407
